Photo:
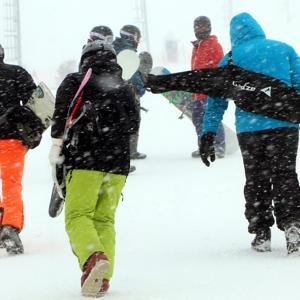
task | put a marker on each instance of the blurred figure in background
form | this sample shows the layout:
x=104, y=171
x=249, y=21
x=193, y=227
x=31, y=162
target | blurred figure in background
x=129, y=39
x=207, y=52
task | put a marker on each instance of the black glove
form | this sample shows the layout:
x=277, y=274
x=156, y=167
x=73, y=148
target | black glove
x=207, y=148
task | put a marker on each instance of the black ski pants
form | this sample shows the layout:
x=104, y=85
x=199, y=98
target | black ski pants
x=271, y=180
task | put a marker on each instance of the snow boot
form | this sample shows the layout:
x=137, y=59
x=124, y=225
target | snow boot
x=196, y=154
x=2, y=246
x=93, y=274
x=292, y=235
x=262, y=240
x=104, y=288
x=220, y=152
x=132, y=169
x=9, y=237
x=138, y=155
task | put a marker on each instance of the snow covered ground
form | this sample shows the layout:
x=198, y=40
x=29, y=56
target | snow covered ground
x=181, y=232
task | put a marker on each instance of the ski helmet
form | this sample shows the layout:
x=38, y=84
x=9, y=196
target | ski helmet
x=1, y=52
x=202, y=27
x=96, y=46
x=131, y=32
x=102, y=33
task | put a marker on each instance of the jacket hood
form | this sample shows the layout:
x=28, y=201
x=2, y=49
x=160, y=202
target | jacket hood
x=243, y=27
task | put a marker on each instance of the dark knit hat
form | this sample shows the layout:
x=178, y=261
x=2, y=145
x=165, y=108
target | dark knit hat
x=202, y=20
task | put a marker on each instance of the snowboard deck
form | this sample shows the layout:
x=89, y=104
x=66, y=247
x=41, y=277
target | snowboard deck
x=129, y=62
x=42, y=103
x=59, y=188
x=56, y=204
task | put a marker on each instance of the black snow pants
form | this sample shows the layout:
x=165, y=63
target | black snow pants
x=270, y=167
x=134, y=138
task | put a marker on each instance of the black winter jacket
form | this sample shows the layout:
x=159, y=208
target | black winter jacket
x=16, y=87
x=100, y=139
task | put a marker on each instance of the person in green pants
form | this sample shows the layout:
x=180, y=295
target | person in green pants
x=96, y=157
x=92, y=212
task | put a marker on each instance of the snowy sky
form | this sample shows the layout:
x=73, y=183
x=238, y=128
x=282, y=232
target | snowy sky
x=55, y=30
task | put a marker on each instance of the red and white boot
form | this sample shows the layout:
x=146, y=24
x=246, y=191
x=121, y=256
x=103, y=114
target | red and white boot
x=104, y=288
x=93, y=274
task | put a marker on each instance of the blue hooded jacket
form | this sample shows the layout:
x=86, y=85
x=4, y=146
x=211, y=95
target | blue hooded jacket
x=252, y=51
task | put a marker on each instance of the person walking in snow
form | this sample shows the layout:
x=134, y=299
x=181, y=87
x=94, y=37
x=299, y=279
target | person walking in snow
x=96, y=158
x=129, y=39
x=16, y=87
x=207, y=53
x=268, y=146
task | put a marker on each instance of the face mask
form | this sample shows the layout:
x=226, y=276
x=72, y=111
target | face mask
x=201, y=35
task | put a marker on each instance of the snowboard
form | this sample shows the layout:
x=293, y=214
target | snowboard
x=42, y=103
x=59, y=188
x=183, y=102
x=129, y=62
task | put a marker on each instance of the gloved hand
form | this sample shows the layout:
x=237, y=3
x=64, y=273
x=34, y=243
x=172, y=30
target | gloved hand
x=56, y=160
x=55, y=157
x=207, y=148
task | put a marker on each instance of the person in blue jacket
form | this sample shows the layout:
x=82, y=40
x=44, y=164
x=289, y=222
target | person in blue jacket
x=268, y=146
x=129, y=39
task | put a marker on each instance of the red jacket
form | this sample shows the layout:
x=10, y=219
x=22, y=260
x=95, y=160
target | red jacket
x=206, y=54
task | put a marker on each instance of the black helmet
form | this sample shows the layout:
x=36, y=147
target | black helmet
x=1, y=53
x=102, y=33
x=97, y=46
x=131, y=32
x=96, y=52
x=202, y=27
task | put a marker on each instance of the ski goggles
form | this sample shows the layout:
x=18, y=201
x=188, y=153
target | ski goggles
x=107, y=39
x=135, y=37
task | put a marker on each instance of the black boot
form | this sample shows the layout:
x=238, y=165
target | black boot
x=9, y=237
x=132, y=169
x=138, y=155
x=292, y=235
x=196, y=154
x=262, y=240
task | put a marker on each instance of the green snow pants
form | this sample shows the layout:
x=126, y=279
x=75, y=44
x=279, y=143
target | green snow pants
x=91, y=201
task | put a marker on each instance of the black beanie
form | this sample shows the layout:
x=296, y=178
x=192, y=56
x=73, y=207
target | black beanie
x=202, y=20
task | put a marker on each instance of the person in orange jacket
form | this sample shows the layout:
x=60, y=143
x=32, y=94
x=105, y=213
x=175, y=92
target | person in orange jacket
x=16, y=88
x=207, y=52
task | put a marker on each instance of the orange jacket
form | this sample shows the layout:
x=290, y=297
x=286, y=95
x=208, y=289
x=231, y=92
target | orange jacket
x=206, y=54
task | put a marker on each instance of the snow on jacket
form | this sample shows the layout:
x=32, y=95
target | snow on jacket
x=16, y=87
x=252, y=51
x=206, y=54
x=121, y=44
x=100, y=139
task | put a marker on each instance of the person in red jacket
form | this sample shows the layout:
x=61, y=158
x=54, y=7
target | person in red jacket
x=207, y=52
